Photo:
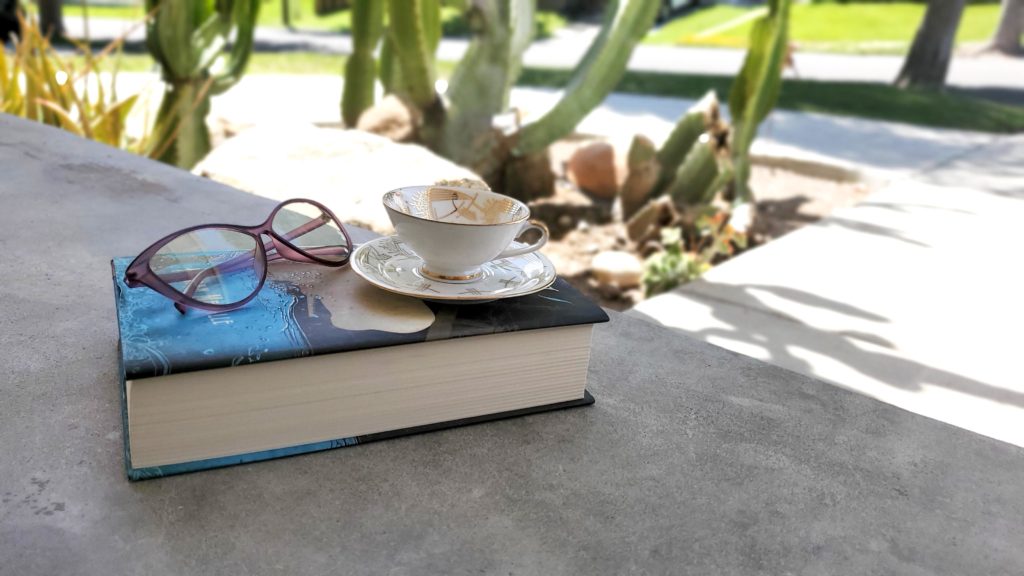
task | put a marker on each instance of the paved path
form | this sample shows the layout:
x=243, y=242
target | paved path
x=880, y=150
x=567, y=46
x=912, y=297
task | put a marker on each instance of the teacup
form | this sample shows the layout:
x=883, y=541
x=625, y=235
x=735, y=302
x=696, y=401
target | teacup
x=456, y=230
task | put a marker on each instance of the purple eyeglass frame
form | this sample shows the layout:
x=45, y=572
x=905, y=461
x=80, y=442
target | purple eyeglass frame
x=140, y=274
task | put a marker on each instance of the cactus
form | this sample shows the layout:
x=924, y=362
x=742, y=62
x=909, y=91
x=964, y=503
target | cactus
x=700, y=118
x=480, y=85
x=696, y=175
x=361, y=68
x=756, y=88
x=186, y=38
x=626, y=22
x=414, y=32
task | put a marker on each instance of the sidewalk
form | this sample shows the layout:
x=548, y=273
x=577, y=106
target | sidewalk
x=567, y=46
x=912, y=297
x=877, y=150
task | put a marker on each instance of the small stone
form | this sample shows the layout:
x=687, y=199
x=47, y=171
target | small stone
x=592, y=168
x=616, y=268
x=391, y=118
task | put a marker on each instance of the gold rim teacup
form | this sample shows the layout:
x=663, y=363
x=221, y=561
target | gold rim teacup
x=455, y=230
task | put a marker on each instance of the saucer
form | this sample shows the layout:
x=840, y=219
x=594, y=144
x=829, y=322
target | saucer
x=389, y=264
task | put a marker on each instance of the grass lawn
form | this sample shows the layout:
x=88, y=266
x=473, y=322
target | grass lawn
x=304, y=16
x=853, y=27
x=876, y=101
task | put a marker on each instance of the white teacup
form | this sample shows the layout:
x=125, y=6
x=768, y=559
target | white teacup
x=456, y=230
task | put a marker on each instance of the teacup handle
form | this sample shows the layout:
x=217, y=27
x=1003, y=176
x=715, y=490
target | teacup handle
x=531, y=225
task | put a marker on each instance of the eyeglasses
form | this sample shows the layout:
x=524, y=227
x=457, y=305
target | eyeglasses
x=221, y=267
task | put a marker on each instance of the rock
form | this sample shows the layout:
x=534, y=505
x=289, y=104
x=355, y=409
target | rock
x=529, y=176
x=643, y=170
x=347, y=170
x=616, y=268
x=391, y=118
x=592, y=168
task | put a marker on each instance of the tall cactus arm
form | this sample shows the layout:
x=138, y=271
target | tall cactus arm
x=694, y=122
x=153, y=8
x=432, y=26
x=485, y=75
x=390, y=71
x=626, y=23
x=243, y=15
x=757, y=87
x=411, y=42
x=480, y=85
x=361, y=68
x=172, y=27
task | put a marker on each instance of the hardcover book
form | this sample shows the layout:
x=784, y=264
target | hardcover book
x=321, y=359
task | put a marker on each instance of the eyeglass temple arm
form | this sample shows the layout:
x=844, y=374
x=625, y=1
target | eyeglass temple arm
x=241, y=261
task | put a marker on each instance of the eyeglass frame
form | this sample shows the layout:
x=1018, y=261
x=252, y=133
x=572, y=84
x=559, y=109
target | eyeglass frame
x=139, y=273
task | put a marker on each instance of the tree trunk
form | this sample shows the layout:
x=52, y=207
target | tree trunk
x=1011, y=26
x=286, y=14
x=51, y=18
x=928, y=60
x=8, y=19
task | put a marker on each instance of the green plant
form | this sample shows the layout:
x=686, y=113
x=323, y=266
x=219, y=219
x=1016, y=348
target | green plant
x=671, y=267
x=756, y=89
x=360, y=67
x=462, y=125
x=39, y=84
x=690, y=251
x=189, y=41
x=704, y=156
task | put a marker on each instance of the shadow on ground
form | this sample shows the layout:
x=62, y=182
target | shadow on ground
x=734, y=306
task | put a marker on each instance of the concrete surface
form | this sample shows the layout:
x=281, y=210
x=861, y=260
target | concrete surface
x=694, y=459
x=567, y=46
x=912, y=297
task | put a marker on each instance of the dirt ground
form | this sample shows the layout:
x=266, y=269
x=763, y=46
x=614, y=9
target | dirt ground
x=786, y=201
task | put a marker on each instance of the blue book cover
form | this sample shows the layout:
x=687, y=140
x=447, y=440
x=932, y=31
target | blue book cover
x=306, y=310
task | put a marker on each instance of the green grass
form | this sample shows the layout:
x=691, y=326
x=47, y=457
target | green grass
x=875, y=101
x=694, y=23
x=854, y=27
x=304, y=17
